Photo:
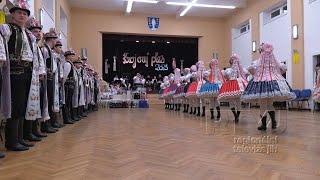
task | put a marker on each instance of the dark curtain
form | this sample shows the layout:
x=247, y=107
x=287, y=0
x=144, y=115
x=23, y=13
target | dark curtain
x=116, y=45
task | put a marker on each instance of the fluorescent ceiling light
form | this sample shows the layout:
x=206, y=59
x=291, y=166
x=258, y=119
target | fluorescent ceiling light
x=153, y=42
x=201, y=5
x=146, y=1
x=129, y=6
x=137, y=41
x=214, y=6
x=168, y=42
x=188, y=8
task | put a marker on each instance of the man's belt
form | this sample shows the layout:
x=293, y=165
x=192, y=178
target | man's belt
x=20, y=67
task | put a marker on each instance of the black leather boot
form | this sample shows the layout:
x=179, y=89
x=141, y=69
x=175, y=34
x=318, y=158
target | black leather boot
x=219, y=114
x=212, y=113
x=66, y=115
x=273, y=119
x=195, y=110
x=2, y=156
x=28, y=135
x=236, y=118
x=203, y=111
x=54, y=120
x=198, y=111
x=36, y=130
x=179, y=107
x=12, y=138
x=184, y=108
x=166, y=105
x=74, y=116
x=46, y=127
x=187, y=110
x=263, y=126
x=176, y=107
x=20, y=134
x=82, y=113
x=191, y=110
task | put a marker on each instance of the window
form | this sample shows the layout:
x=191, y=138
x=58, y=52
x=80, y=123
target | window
x=243, y=30
x=284, y=9
x=275, y=13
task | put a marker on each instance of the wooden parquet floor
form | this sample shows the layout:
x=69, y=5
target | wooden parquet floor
x=154, y=144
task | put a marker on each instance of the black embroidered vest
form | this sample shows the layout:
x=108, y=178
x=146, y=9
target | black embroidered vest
x=15, y=42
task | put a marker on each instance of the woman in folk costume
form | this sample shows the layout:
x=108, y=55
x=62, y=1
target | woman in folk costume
x=232, y=89
x=189, y=79
x=164, y=90
x=316, y=93
x=195, y=86
x=211, y=88
x=173, y=87
x=268, y=85
x=168, y=96
x=179, y=94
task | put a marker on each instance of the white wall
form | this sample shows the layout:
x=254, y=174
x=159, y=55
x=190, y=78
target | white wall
x=242, y=45
x=48, y=19
x=278, y=33
x=311, y=39
x=64, y=29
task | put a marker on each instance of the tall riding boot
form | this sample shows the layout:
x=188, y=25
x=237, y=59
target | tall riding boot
x=263, y=126
x=236, y=118
x=203, y=111
x=179, y=106
x=212, y=113
x=28, y=132
x=184, y=108
x=187, y=110
x=46, y=127
x=20, y=134
x=79, y=112
x=54, y=120
x=198, y=111
x=74, y=114
x=194, y=110
x=273, y=119
x=12, y=138
x=176, y=107
x=219, y=114
x=66, y=116
x=82, y=113
x=36, y=130
x=191, y=110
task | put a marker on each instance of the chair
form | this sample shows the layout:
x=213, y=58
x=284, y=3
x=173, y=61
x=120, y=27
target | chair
x=304, y=97
x=297, y=99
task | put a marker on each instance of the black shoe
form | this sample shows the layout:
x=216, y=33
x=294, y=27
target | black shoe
x=263, y=126
x=56, y=125
x=39, y=135
x=203, y=111
x=195, y=110
x=212, y=113
x=31, y=137
x=36, y=131
x=17, y=147
x=24, y=143
x=219, y=114
x=190, y=110
x=236, y=118
x=198, y=111
x=273, y=119
x=2, y=156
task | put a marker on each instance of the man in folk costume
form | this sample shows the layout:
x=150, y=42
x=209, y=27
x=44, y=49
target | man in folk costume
x=24, y=77
x=4, y=67
x=235, y=84
x=69, y=81
x=52, y=79
x=268, y=85
x=210, y=90
x=35, y=27
x=96, y=90
x=85, y=84
x=81, y=101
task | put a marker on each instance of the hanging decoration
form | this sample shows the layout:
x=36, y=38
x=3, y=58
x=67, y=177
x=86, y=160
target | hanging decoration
x=295, y=57
x=106, y=67
x=114, y=63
